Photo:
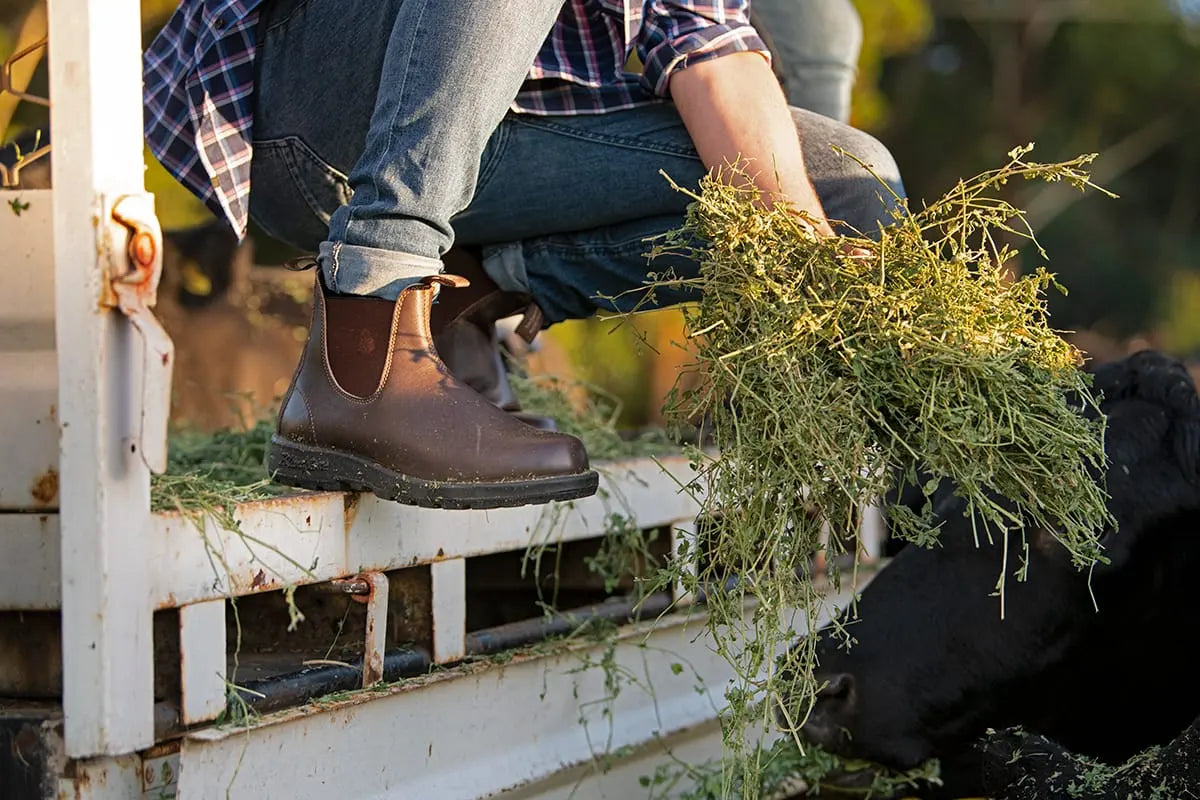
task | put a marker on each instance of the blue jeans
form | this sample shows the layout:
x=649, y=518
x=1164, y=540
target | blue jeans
x=814, y=47
x=565, y=204
x=370, y=116
x=562, y=206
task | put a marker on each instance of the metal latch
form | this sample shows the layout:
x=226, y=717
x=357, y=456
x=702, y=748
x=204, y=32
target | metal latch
x=135, y=268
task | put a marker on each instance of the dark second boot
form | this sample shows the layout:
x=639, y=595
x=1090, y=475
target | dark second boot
x=464, y=331
x=373, y=408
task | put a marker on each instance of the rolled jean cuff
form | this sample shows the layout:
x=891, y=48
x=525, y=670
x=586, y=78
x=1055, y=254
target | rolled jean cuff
x=505, y=264
x=353, y=269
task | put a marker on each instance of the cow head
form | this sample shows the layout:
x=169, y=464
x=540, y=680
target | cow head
x=932, y=662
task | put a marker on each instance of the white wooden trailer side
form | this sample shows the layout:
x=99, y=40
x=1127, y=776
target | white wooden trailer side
x=83, y=400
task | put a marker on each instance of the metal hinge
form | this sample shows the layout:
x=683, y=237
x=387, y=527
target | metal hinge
x=133, y=242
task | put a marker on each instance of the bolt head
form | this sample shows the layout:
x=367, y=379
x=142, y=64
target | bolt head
x=142, y=249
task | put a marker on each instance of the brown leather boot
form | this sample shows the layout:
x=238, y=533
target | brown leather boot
x=372, y=408
x=464, y=331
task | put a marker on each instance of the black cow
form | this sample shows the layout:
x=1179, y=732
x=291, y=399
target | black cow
x=932, y=664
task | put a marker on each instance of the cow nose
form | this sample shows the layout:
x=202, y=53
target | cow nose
x=829, y=717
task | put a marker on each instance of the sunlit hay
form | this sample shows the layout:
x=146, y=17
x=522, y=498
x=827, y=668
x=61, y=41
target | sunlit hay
x=835, y=369
x=593, y=420
x=212, y=472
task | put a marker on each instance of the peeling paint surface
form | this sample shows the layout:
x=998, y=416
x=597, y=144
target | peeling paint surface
x=45, y=488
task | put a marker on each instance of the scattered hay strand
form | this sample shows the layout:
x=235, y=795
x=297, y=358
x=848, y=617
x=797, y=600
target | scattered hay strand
x=213, y=472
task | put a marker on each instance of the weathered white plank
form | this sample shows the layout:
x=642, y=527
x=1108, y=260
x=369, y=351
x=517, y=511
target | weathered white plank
x=202, y=649
x=449, y=581
x=480, y=729
x=318, y=537
x=26, y=229
x=120, y=778
x=29, y=570
x=620, y=779
x=637, y=488
x=95, y=80
x=28, y=371
x=292, y=540
x=29, y=478
x=463, y=734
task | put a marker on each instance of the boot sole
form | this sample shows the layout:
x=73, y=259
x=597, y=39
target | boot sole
x=308, y=467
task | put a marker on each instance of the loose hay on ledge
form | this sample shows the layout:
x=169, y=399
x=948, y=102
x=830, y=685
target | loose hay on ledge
x=834, y=369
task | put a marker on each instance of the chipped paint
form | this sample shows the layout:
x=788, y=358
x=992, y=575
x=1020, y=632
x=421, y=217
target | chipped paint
x=376, y=634
x=45, y=488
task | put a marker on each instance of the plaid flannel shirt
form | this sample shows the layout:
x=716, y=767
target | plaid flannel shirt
x=199, y=77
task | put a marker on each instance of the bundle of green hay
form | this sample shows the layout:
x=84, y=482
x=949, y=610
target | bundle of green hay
x=834, y=369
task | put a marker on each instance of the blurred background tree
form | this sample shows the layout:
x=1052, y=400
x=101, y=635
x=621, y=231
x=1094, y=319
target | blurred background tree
x=1116, y=77
x=950, y=86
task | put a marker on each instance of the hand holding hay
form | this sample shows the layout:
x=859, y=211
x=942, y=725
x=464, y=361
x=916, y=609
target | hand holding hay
x=833, y=365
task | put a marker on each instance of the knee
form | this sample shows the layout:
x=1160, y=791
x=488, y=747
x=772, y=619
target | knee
x=876, y=158
x=861, y=185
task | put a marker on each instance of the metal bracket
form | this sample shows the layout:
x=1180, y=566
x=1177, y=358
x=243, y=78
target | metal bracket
x=134, y=247
x=160, y=772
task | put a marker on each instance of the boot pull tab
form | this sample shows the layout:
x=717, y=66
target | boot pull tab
x=300, y=264
x=446, y=279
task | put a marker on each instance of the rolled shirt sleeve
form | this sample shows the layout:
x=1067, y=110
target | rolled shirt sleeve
x=676, y=34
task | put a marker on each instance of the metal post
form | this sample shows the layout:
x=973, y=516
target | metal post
x=202, y=661
x=449, y=581
x=375, y=643
x=95, y=80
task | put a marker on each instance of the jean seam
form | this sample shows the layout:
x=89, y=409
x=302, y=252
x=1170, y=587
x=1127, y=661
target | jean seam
x=543, y=246
x=290, y=160
x=333, y=266
x=282, y=22
x=266, y=228
x=488, y=170
x=627, y=142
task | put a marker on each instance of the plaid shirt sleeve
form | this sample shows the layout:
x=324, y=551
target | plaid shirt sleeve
x=676, y=34
x=198, y=81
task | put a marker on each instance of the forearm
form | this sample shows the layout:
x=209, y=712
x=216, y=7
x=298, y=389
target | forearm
x=734, y=109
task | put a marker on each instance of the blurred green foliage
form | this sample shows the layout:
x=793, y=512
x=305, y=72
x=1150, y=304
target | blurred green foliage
x=890, y=27
x=1115, y=77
